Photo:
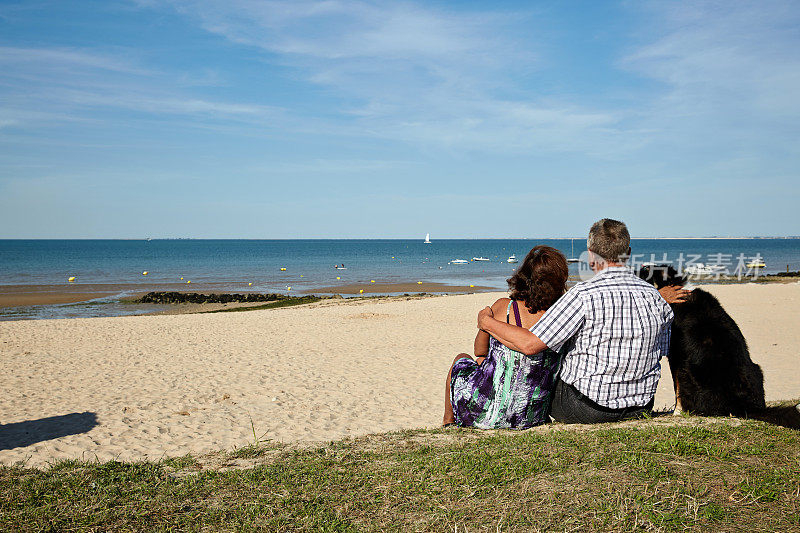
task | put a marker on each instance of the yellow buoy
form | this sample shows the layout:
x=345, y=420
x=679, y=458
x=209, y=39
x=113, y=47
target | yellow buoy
x=301, y=275
x=188, y=281
x=181, y=278
x=361, y=291
x=419, y=283
x=372, y=281
x=144, y=273
x=283, y=268
x=288, y=288
x=71, y=278
x=472, y=285
x=249, y=284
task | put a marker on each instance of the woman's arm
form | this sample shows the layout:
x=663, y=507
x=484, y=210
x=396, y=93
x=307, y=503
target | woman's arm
x=482, y=338
x=481, y=343
x=515, y=337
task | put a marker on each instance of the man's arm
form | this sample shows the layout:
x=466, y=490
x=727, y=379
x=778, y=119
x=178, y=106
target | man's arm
x=515, y=337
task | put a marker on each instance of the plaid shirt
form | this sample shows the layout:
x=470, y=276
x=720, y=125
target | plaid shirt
x=614, y=327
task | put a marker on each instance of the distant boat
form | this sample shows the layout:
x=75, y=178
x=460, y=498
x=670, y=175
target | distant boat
x=480, y=258
x=342, y=267
x=512, y=259
x=427, y=238
x=572, y=258
x=459, y=262
x=756, y=263
x=699, y=269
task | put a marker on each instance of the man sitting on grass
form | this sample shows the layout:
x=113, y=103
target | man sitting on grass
x=614, y=327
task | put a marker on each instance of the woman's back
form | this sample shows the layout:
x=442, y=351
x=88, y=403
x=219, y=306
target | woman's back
x=503, y=388
x=508, y=389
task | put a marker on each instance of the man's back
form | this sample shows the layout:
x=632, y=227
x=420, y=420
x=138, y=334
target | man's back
x=613, y=328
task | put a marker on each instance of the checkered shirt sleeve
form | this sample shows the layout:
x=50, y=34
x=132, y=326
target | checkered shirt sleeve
x=562, y=321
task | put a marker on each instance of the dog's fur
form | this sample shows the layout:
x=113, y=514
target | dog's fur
x=711, y=367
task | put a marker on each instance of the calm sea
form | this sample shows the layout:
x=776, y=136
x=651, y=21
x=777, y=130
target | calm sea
x=232, y=264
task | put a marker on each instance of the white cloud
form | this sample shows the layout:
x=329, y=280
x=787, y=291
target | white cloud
x=436, y=77
x=47, y=85
x=729, y=70
x=49, y=60
x=421, y=75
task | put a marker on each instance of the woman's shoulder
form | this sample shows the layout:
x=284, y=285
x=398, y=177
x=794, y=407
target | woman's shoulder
x=501, y=305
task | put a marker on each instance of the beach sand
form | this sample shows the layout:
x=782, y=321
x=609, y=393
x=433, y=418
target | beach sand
x=153, y=386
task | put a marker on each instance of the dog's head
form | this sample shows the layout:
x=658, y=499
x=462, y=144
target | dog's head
x=661, y=275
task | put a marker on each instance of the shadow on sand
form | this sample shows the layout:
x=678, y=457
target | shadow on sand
x=30, y=432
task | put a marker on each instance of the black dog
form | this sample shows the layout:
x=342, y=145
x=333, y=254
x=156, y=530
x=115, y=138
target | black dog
x=711, y=367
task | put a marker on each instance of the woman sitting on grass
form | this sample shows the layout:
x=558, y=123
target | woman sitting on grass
x=504, y=388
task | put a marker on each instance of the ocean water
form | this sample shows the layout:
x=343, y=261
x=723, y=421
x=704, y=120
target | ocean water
x=232, y=264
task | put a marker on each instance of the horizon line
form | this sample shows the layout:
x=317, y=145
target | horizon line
x=715, y=237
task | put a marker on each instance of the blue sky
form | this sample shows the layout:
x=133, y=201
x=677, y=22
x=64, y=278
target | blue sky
x=348, y=119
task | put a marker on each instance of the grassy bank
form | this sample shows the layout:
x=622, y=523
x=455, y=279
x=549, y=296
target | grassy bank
x=662, y=474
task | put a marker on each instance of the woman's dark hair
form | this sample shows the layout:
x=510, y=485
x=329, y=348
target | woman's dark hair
x=541, y=279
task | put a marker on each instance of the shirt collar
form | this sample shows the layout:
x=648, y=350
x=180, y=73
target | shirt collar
x=614, y=270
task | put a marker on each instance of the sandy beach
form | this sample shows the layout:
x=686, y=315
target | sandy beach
x=155, y=386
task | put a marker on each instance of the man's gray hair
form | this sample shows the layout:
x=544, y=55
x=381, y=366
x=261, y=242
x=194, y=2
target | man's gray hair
x=610, y=240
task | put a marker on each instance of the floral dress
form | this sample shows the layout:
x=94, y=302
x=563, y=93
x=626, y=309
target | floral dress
x=507, y=390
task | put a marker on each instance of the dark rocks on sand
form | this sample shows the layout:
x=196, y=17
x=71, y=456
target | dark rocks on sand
x=793, y=274
x=198, y=298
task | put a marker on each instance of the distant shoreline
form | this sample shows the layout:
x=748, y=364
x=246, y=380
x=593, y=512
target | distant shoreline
x=765, y=238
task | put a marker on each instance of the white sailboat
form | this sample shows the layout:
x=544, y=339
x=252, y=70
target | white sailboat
x=427, y=238
x=572, y=258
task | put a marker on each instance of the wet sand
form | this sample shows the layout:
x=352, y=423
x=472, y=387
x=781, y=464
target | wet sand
x=33, y=297
x=64, y=293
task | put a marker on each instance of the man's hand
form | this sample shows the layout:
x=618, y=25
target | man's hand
x=484, y=314
x=674, y=294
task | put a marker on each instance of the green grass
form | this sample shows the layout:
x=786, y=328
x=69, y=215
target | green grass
x=694, y=474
